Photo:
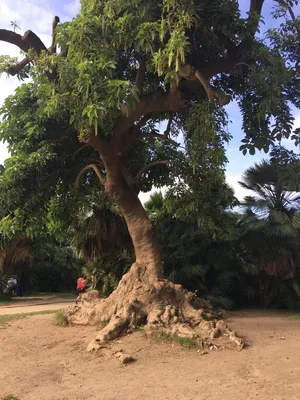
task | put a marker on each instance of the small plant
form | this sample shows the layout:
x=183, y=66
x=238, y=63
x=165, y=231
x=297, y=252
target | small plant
x=60, y=319
x=295, y=316
x=9, y=397
x=184, y=342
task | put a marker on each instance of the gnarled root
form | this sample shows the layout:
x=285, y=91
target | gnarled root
x=161, y=306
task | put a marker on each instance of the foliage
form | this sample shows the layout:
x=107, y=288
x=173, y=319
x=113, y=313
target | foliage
x=40, y=264
x=270, y=229
x=94, y=89
x=202, y=257
x=107, y=271
x=103, y=232
x=3, y=281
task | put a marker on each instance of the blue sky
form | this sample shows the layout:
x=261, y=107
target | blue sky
x=37, y=15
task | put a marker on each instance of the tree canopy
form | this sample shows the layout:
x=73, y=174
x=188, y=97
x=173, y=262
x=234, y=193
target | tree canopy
x=115, y=72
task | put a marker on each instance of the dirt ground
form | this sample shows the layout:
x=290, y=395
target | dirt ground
x=40, y=361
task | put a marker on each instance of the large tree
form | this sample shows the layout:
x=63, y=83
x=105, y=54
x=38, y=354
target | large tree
x=123, y=67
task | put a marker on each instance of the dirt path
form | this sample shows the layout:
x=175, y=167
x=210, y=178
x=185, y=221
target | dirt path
x=44, y=302
x=25, y=308
x=42, y=361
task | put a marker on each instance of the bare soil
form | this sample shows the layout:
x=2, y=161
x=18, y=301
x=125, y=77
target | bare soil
x=40, y=361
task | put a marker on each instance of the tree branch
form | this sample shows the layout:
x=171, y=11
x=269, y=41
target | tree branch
x=54, y=25
x=148, y=104
x=15, y=69
x=140, y=76
x=28, y=41
x=191, y=73
x=94, y=141
x=78, y=150
x=148, y=166
x=14, y=38
x=156, y=135
x=254, y=14
x=167, y=131
x=90, y=166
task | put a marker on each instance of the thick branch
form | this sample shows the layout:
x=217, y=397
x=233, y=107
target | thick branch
x=92, y=140
x=141, y=76
x=148, y=104
x=28, y=41
x=90, y=166
x=14, y=38
x=254, y=12
x=15, y=69
x=34, y=42
x=54, y=25
x=79, y=150
x=146, y=167
x=191, y=73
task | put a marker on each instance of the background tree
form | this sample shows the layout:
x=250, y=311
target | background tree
x=125, y=66
x=270, y=228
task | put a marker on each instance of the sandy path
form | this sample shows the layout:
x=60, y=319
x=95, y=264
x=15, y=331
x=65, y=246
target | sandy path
x=42, y=361
x=25, y=308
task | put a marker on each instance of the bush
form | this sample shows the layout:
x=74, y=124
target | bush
x=60, y=319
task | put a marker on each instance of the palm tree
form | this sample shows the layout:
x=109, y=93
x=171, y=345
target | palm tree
x=102, y=240
x=14, y=254
x=202, y=261
x=155, y=206
x=270, y=229
x=104, y=231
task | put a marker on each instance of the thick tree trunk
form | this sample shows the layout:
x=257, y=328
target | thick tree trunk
x=143, y=297
x=139, y=225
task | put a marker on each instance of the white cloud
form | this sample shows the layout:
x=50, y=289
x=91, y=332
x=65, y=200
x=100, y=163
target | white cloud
x=146, y=196
x=239, y=191
x=71, y=8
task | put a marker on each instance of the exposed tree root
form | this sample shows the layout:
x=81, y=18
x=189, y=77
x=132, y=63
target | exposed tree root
x=160, y=306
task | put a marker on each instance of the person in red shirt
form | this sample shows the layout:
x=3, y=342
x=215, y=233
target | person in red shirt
x=81, y=282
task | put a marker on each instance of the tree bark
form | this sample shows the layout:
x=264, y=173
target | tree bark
x=139, y=225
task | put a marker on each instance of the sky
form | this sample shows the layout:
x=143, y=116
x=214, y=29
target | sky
x=37, y=15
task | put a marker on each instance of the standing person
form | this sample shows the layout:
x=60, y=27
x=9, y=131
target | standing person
x=80, y=287
x=12, y=286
